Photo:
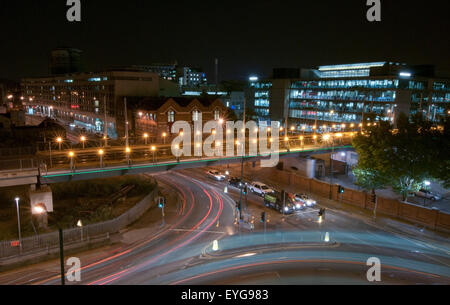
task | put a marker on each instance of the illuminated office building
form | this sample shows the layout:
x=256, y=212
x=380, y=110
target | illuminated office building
x=344, y=94
x=87, y=100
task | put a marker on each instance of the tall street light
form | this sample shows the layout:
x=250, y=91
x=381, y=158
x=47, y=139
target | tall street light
x=145, y=138
x=101, y=152
x=153, y=151
x=59, y=141
x=18, y=224
x=83, y=140
x=128, y=151
x=164, y=135
x=71, y=155
x=328, y=137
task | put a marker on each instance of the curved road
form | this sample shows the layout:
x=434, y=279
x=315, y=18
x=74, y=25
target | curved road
x=296, y=249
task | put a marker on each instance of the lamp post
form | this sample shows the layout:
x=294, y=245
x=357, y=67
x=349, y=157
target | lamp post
x=127, y=152
x=145, y=138
x=59, y=141
x=83, y=139
x=18, y=224
x=326, y=138
x=50, y=150
x=153, y=151
x=164, y=135
x=71, y=155
x=101, y=152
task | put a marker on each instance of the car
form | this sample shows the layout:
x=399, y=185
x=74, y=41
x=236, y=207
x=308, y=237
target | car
x=308, y=201
x=236, y=182
x=216, y=175
x=274, y=201
x=427, y=194
x=298, y=204
x=260, y=188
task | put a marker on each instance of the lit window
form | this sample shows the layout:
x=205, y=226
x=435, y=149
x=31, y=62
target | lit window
x=195, y=115
x=171, y=116
x=216, y=115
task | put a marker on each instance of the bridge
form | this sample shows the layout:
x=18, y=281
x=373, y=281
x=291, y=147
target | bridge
x=106, y=162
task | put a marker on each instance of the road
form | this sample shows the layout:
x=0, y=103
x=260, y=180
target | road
x=295, y=249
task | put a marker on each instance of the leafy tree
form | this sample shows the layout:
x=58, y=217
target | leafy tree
x=368, y=179
x=403, y=157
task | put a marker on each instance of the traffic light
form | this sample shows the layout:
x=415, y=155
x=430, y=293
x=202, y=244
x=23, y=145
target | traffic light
x=161, y=202
x=245, y=190
x=341, y=190
x=237, y=205
x=263, y=217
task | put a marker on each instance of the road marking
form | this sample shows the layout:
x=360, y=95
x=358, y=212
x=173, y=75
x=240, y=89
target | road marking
x=187, y=230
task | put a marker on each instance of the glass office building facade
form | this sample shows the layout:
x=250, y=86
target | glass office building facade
x=344, y=94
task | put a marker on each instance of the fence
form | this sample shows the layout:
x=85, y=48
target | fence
x=45, y=242
x=428, y=217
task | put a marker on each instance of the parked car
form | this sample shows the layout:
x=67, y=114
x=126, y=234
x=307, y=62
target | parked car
x=260, y=188
x=216, y=175
x=427, y=194
x=236, y=182
x=308, y=201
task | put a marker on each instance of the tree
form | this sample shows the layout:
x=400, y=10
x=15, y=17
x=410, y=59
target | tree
x=368, y=179
x=405, y=156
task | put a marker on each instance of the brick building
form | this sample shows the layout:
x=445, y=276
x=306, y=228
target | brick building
x=155, y=116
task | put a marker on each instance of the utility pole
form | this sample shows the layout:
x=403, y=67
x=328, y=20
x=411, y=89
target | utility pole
x=242, y=161
x=61, y=255
x=126, y=122
x=106, y=123
x=331, y=168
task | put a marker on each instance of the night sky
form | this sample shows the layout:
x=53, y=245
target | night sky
x=248, y=37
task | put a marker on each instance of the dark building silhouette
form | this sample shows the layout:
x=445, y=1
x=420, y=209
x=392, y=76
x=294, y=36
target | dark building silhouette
x=65, y=60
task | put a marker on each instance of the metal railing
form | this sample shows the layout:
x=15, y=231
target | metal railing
x=49, y=241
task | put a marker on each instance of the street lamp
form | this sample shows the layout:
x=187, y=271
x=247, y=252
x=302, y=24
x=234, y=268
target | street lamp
x=127, y=152
x=18, y=224
x=153, y=151
x=145, y=138
x=71, y=155
x=59, y=141
x=83, y=139
x=101, y=152
x=164, y=135
x=326, y=138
